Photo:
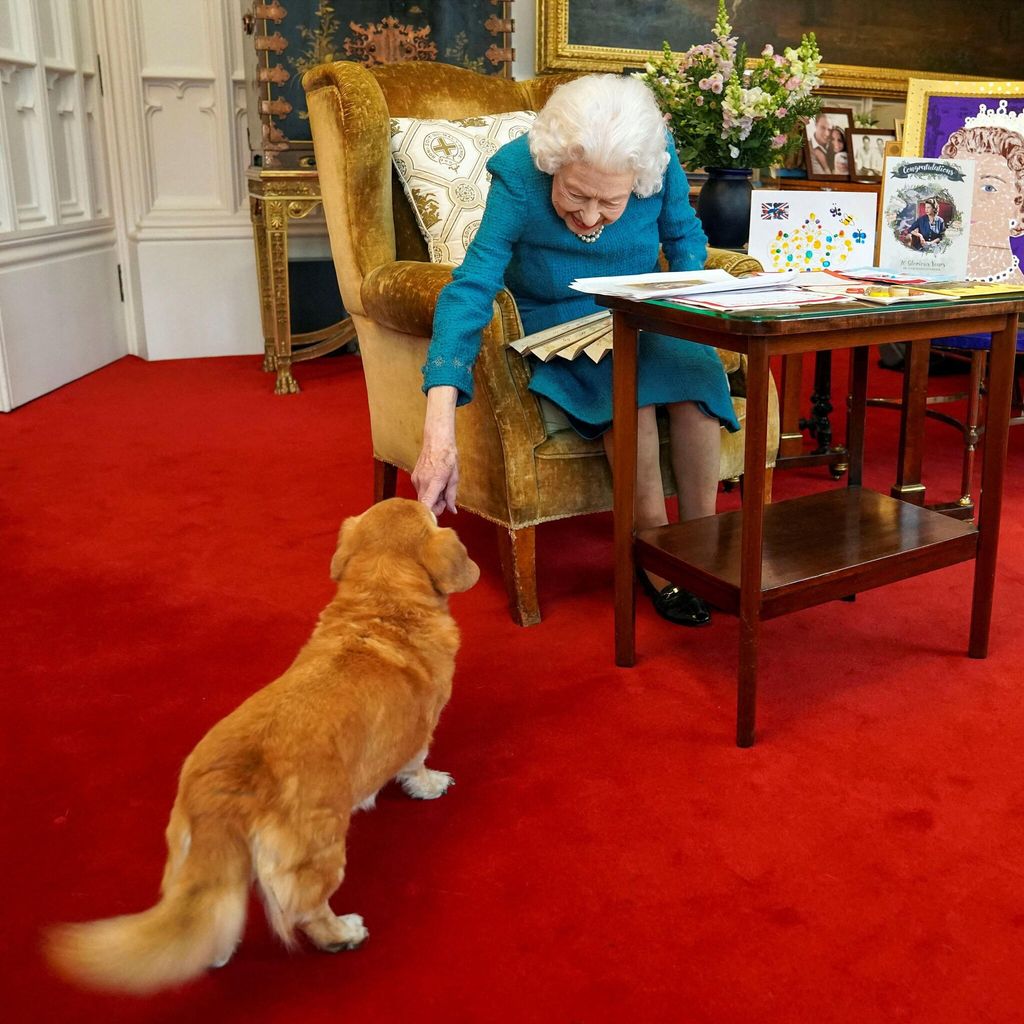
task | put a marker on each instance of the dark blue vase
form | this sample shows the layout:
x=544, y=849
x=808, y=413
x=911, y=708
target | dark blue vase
x=723, y=206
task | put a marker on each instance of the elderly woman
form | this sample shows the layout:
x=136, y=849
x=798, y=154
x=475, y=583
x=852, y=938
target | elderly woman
x=592, y=190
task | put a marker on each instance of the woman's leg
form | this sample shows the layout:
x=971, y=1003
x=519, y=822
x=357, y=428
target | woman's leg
x=650, y=495
x=696, y=455
x=670, y=602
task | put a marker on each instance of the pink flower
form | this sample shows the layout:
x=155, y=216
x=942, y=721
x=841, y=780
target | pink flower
x=699, y=101
x=778, y=141
x=792, y=83
x=704, y=83
x=782, y=112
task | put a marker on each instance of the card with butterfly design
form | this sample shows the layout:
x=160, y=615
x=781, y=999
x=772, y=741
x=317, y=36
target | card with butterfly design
x=812, y=230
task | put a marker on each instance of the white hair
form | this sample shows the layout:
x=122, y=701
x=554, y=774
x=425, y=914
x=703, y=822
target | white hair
x=610, y=122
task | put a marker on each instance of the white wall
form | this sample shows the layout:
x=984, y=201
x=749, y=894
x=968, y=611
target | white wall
x=173, y=212
x=60, y=309
x=177, y=98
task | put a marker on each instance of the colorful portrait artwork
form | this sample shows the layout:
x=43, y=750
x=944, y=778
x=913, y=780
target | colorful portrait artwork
x=990, y=131
x=812, y=230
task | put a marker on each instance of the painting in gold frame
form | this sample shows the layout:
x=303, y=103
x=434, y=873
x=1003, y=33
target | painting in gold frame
x=938, y=109
x=867, y=60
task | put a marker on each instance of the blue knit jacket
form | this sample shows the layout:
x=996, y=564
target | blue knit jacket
x=523, y=244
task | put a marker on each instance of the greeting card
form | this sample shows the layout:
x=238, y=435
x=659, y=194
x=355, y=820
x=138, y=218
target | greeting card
x=926, y=216
x=812, y=230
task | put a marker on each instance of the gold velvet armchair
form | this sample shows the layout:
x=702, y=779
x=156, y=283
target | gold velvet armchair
x=515, y=470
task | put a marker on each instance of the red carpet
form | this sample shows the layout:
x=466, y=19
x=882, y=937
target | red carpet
x=608, y=854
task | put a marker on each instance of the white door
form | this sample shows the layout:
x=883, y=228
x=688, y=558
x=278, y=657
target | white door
x=61, y=313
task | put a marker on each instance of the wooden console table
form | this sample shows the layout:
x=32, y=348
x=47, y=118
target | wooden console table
x=762, y=562
x=275, y=198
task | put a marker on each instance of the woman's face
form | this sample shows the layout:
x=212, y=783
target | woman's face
x=931, y=209
x=993, y=208
x=585, y=197
x=838, y=143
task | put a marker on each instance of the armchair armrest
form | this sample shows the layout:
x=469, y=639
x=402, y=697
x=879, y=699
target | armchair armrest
x=402, y=295
x=735, y=263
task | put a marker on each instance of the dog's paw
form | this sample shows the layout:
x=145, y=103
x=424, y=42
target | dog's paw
x=368, y=804
x=225, y=959
x=354, y=931
x=426, y=784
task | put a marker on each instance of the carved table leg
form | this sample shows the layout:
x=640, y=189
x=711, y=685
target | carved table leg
x=276, y=214
x=818, y=425
x=259, y=237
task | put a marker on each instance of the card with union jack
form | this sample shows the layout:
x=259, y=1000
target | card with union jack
x=775, y=211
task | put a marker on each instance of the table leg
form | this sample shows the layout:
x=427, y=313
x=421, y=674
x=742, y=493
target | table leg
x=791, y=438
x=818, y=424
x=752, y=541
x=908, y=484
x=858, y=409
x=624, y=419
x=997, y=422
x=276, y=216
x=259, y=237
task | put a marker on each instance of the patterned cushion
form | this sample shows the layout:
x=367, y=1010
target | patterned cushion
x=442, y=166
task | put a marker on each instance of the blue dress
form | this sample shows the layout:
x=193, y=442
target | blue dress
x=928, y=232
x=523, y=244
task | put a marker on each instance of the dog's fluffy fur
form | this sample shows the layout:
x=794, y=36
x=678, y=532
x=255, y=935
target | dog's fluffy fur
x=269, y=791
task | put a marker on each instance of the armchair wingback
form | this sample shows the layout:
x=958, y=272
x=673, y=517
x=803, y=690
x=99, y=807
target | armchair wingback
x=515, y=470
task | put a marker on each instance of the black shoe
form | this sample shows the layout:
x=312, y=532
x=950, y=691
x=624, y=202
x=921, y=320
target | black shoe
x=675, y=604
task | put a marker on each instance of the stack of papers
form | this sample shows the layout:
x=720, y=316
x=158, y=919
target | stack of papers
x=715, y=289
x=589, y=335
x=719, y=290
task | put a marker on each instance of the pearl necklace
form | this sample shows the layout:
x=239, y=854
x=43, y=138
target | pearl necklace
x=591, y=236
x=1002, y=275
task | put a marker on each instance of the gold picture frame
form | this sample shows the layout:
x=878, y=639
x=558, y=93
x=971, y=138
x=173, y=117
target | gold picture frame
x=937, y=114
x=923, y=93
x=557, y=52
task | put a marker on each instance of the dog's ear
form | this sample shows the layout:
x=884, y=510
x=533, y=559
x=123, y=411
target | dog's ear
x=346, y=545
x=446, y=561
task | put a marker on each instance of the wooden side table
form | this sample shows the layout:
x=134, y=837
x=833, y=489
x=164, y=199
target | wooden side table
x=762, y=562
x=276, y=197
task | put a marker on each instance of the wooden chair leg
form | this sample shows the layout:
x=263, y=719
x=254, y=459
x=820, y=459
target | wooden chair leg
x=385, y=480
x=518, y=552
x=971, y=433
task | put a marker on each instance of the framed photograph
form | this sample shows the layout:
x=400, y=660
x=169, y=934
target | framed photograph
x=982, y=122
x=867, y=152
x=860, y=59
x=898, y=127
x=827, y=144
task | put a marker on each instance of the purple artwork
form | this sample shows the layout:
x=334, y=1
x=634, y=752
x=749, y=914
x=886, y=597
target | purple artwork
x=948, y=113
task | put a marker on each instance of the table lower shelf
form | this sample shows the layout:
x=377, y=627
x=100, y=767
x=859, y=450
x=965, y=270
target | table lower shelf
x=816, y=548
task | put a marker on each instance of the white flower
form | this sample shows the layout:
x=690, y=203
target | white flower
x=734, y=152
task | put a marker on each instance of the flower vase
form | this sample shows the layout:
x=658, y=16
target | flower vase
x=723, y=206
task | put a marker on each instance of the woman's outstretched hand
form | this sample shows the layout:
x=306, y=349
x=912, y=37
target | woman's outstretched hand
x=436, y=474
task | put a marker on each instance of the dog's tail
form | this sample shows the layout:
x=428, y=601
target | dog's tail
x=196, y=925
